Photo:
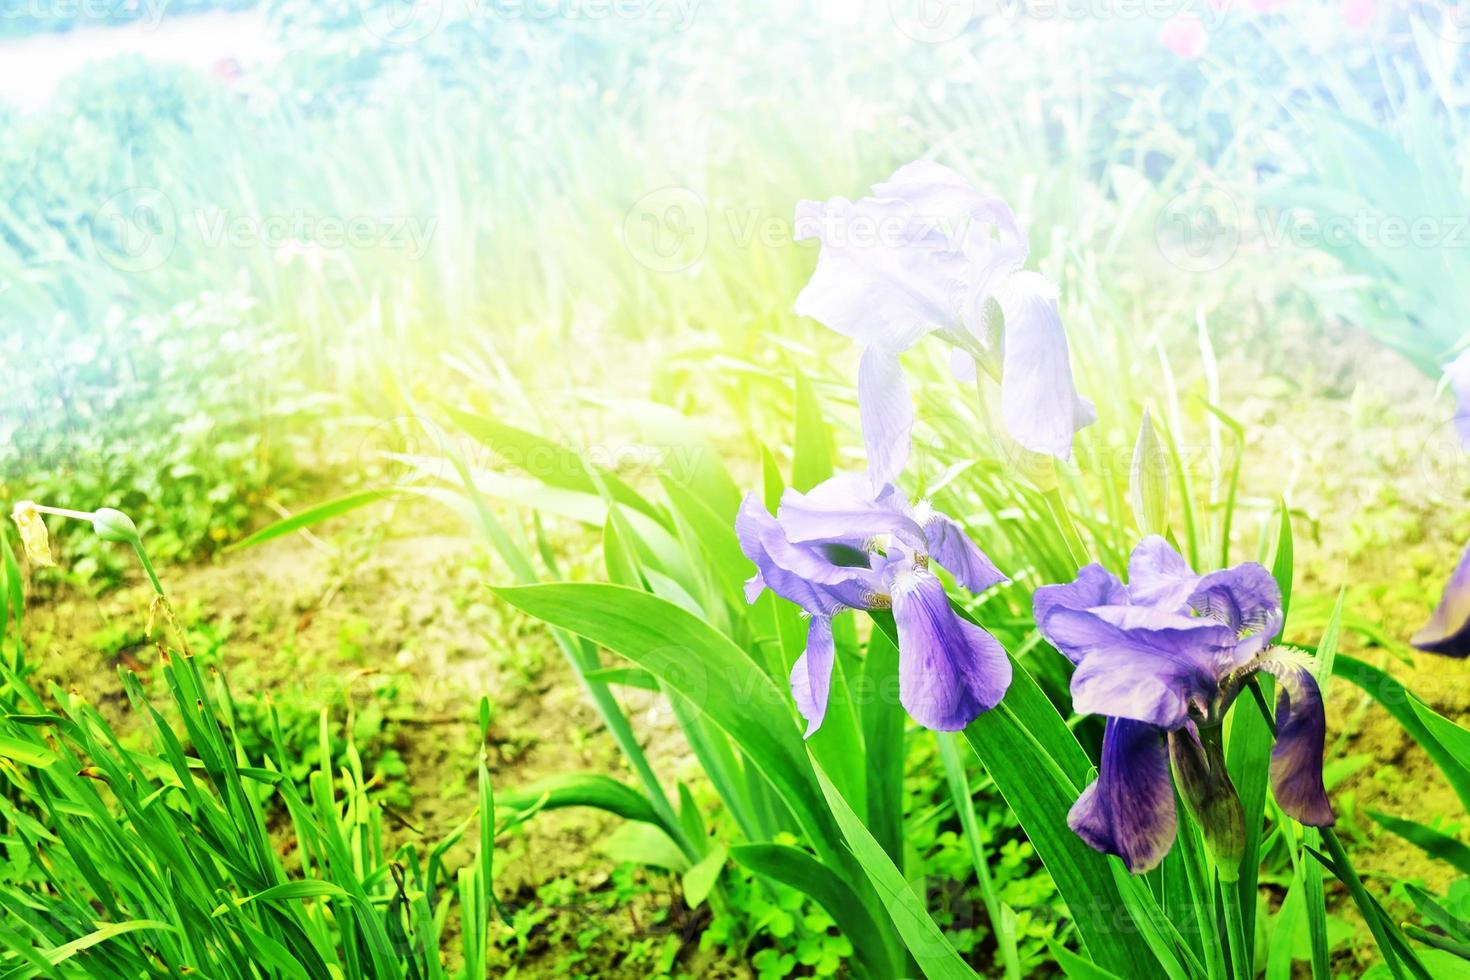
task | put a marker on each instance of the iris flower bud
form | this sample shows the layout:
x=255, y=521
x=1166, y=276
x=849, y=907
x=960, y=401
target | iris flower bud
x=114, y=525
x=1204, y=782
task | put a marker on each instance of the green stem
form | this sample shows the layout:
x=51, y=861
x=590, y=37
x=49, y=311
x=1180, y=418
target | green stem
x=959, y=788
x=1063, y=518
x=148, y=566
x=1240, y=969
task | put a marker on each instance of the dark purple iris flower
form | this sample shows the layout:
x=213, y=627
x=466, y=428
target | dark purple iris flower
x=839, y=547
x=1164, y=658
x=1448, y=630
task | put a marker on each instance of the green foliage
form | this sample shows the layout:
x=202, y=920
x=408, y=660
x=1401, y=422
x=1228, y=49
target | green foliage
x=115, y=415
x=118, y=859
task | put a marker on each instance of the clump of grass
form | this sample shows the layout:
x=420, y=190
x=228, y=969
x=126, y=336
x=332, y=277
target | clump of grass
x=124, y=861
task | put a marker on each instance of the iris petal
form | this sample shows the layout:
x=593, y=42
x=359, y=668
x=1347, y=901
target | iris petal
x=1094, y=586
x=1159, y=576
x=881, y=278
x=951, y=547
x=802, y=574
x=887, y=414
x=845, y=509
x=1458, y=371
x=949, y=670
x=1129, y=810
x=1038, y=399
x=1139, y=663
x=1248, y=600
x=1448, y=630
x=1301, y=732
x=811, y=675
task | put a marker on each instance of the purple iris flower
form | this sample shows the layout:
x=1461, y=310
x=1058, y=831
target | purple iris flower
x=840, y=546
x=1163, y=658
x=930, y=254
x=1448, y=630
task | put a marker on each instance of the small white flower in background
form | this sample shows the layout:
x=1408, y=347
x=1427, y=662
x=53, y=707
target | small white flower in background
x=32, y=526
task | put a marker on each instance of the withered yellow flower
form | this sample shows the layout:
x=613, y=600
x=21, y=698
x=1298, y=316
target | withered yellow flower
x=32, y=526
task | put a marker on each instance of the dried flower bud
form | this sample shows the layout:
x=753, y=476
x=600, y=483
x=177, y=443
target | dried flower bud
x=33, y=533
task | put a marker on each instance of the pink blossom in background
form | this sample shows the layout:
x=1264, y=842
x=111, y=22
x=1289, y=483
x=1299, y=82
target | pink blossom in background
x=1185, y=36
x=1357, y=14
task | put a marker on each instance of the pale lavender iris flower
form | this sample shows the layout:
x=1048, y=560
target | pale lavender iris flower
x=927, y=253
x=1448, y=630
x=1164, y=657
x=840, y=546
x=1458, y=371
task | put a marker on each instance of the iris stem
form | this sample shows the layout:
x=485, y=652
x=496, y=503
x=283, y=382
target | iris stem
x=148, y=567
x=1240, y=969
x=1076, y=549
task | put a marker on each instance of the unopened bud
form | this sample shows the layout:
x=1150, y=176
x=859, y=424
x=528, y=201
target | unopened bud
x=114, y=525
x=1204, y=782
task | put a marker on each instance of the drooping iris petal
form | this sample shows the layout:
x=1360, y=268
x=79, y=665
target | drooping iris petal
x=1448, y=630
x=1247, y=599
x=811, y=675
x=844, y=508
x=951, y=547
x=1038, y=400
x=887, y=414
x=1159, y=576
x=1094, y=586
x=949, y=670
x=1139, y=663
x=1458, y=371
x=1301, y=732
x=1129, y=810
